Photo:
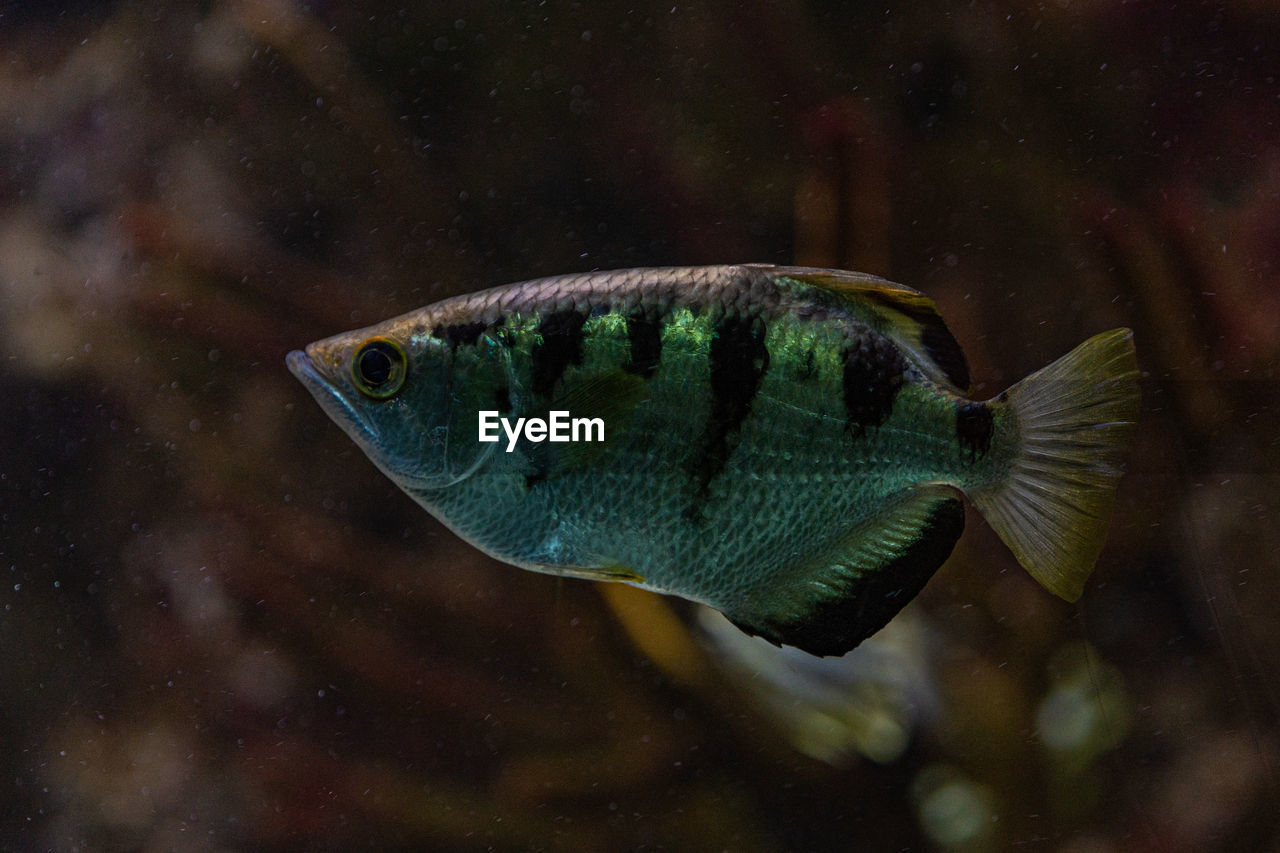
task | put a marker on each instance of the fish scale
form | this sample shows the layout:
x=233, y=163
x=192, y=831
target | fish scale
x=787, y=445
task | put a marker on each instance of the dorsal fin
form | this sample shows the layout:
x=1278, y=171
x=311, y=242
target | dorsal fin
x=906, y=316
x=833, y=600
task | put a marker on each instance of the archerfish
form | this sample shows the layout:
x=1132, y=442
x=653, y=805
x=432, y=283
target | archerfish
x=787, y=445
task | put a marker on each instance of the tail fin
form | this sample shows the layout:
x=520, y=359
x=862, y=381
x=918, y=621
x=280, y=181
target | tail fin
x=1076, y=419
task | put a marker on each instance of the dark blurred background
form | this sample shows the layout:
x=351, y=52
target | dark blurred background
x=222, y=629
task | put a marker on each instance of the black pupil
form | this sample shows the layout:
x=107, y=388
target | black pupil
x=375, y=363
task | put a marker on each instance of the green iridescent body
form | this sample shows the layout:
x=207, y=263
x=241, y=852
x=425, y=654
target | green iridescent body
x=785, y=445
x=796, y=466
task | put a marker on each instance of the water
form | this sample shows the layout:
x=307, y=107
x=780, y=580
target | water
x=224, y=629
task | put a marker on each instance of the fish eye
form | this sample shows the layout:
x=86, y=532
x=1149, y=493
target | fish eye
x=379, y=368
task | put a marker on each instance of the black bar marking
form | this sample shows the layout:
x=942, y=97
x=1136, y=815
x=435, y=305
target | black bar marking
x=974, y=426
x=872, y=376
x=561, y=346
x=644, y=336
x=939, y=344
x=945, y=351
x=739, y=361
x=502, y=398
x=460, y=333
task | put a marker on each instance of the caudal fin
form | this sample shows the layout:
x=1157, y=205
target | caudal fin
x=1075, y=420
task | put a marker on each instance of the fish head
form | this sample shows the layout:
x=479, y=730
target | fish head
x=407, y=398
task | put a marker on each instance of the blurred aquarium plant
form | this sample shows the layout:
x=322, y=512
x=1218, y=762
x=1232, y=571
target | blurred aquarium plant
x=222, y=629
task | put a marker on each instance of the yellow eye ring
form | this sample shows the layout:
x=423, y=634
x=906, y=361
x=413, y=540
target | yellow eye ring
x=379, y=368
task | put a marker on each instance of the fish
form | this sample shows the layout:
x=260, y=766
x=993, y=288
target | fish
x=790, y=446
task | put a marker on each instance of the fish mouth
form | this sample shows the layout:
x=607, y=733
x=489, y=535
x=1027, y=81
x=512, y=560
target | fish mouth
x=330, y=398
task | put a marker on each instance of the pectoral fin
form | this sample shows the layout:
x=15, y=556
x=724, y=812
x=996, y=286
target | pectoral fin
x=834, y=600
x=596, y=573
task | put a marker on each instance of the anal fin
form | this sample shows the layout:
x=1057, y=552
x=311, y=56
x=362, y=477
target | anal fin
x=832, y=601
